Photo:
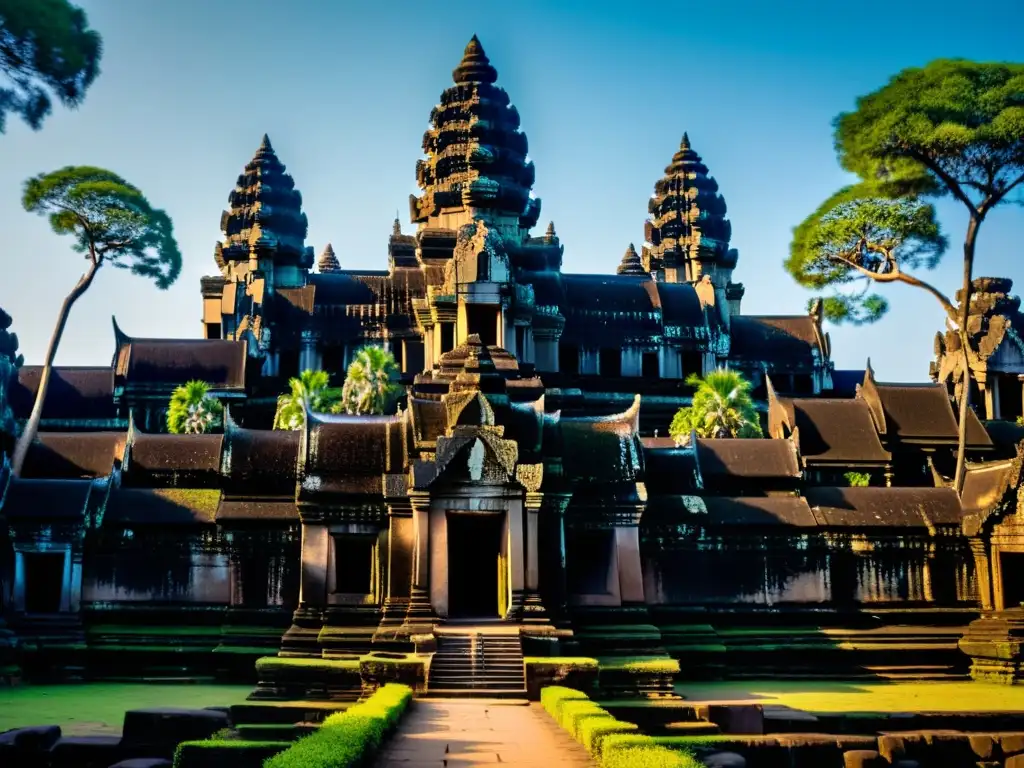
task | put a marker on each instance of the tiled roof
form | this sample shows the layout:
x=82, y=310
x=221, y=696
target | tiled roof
x=836, y=431
x=172, y=362
x=74, y=393
x=72, y=455
x=41, y=500
x=162, y=506
x=775, y=339
x=758, y=511
x=747, y=458
x=885, y=507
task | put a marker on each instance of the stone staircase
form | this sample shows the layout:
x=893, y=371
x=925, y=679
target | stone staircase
x=471, y=662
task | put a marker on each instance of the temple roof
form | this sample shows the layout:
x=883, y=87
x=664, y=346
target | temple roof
x=260, y=461
x=161, y=506
x=189, y=460
x=40, y=500
x=986, y=485
x=885, y=507
x=835, y=431
x=739, y=458
x=600, y=450
x=262, y=510
x=923, y=413
x=328, y=262
x=162, y=363
x=350, y=455
x=759, y=511
x=476, y=154
x=74, y=393
x=631, y=264
x=668, y=468
x=71, y=455
x=782, y=339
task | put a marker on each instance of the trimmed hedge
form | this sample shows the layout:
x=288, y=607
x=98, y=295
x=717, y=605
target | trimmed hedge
x=349, y=738
x=612, y=742
x=216, y=753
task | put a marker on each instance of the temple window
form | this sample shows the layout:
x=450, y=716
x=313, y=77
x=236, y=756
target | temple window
x=44, y=581
x=447, y=337
x=650, y=367
x=610, y=363
x=588, y=560
x=353, y=564
x=520, y=342
x=568, y=359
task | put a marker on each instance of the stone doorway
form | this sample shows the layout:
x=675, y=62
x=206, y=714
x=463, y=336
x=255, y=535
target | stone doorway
x=1011, y=567
x=44, y=581
x=474, y=561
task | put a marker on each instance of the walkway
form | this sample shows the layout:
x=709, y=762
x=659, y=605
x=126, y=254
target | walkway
x=454, y=733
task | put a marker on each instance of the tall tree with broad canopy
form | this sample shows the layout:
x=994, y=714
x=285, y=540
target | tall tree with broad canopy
x=953, y=128
x=310, y=391
x=370, y=386
x=46, y=50
x=721, y=407
x=192, y=410
x=112, y=223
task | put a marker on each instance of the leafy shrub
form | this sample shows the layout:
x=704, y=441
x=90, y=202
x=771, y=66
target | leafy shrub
x=348, y=738
x=612, y=742
x=216, y=753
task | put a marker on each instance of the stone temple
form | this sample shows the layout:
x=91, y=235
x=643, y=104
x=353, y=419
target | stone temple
x=525, y=492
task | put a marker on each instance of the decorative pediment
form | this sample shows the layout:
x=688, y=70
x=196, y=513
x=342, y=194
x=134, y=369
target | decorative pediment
x=479, y=256
x=471, y=456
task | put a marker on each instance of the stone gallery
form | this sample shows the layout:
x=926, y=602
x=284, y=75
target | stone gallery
x=524, y=497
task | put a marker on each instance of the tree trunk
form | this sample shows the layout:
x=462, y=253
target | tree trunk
x=28, y=434
x=965, y=311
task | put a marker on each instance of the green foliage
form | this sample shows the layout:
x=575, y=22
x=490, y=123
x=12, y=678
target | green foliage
x=46, y=47
x=857, y=479
x=722, y=407
x=110, y=220
x=310, y=391
x=349, y=738
x=612, y=742
x=575, y=662
x=953, y=127
x=10, y=362
x=370, y=386
x=641, y=665
x=858, y=237
x=218, y=752
x=192, y=410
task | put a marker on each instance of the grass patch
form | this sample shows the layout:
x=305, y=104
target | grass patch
x=612, y=742
x=847, y=697
x=349, y=738
x=638, y=665
x=86, y=709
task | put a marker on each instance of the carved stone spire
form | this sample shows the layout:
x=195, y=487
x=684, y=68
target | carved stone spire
x=328, y=261
x=687, y=229
x=631, y=264
x=549, y=233
x=265, y=214
x=476, y=154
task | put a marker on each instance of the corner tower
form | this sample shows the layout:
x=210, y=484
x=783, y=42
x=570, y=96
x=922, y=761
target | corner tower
x=476, y=166
x=688, y=233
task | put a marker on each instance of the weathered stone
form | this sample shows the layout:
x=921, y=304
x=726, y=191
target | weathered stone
x=724, y=760
x=892, y=748
x=1017, y=761
x=78, y=751
x=143, y=762
x=35, y=738
x=995, y=643
x=984, y=745
x=162, y=729
x=747, y=719
x=1011, y=743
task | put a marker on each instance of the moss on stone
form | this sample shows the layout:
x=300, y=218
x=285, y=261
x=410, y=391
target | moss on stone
x=640, y=665
x=283, y=663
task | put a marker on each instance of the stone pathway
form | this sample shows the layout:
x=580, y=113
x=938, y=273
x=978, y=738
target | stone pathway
x=453, y=733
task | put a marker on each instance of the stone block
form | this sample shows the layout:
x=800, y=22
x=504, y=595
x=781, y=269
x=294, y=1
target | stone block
x=38, y=738
x=985, y=746
x=725, y=760
x=86, y=752
x=747, y=719
x=906, y=763
x=892, y=748
x=863, y=758
x=1011, y=743
x=143, y=762
x=160, y=730
x=1017, y=761
x=810, y=750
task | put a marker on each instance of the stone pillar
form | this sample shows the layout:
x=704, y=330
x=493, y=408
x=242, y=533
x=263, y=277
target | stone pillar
x=516, y=558
x=420, y=615
x=983, y=572
x=553, y=581
x=309, y=357
x=533, y=607
x=316, y=544
x=631, y=577
x=400, y=540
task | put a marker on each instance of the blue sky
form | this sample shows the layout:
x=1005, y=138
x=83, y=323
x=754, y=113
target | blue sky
x=605, y=91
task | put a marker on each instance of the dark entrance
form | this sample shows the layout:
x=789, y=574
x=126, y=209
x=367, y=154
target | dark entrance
x=44, y=581
x=474, y=546
x=1012, y=569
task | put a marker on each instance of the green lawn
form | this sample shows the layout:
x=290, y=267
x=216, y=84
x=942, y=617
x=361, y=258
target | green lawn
x=839, y=696
x=98, y=708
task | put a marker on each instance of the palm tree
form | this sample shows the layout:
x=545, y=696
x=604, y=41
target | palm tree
x=310, y=391
x=192, y=411
x=369, y=383
x=721, y=407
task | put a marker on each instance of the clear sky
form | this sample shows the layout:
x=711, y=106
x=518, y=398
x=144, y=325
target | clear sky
x=604, y=89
